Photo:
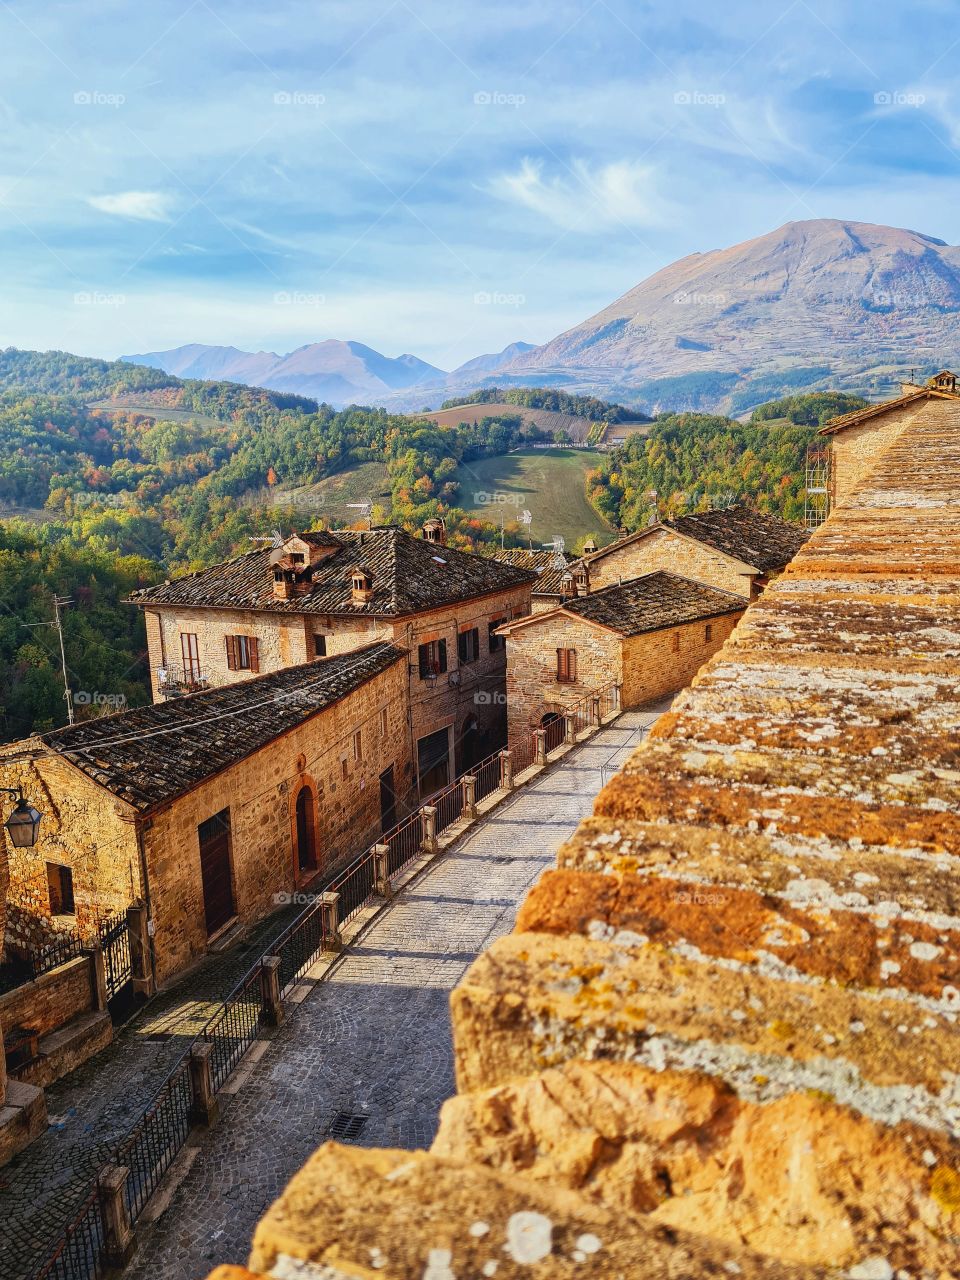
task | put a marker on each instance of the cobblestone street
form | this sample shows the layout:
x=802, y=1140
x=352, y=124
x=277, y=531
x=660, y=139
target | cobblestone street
x=373, y=1040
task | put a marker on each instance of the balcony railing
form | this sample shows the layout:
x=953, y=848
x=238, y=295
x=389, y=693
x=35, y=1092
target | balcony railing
x=174, y=682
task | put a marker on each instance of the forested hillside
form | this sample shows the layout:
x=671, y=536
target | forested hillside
x=579, y=406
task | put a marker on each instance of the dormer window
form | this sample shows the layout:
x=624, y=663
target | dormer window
x=361, y=582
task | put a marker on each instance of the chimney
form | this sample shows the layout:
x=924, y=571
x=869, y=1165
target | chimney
x=581, y=579
x=435, y=530
x=362, y=586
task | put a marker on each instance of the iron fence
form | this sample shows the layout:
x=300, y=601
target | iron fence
x=404, y=841
x=115, y=940
x=523, y=752
x=80, y=1251
x=489, y=776
x=162, y=1130
x=67, y=946
x=354, y=885
x=234, y=1027
x=449, y=805
x=298, y=946
x=555, y=731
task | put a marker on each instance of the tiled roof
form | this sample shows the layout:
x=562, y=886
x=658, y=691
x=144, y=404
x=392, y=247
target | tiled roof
x=762, y=541
x=544, y=565
x=149, y=755
x=410, y=575
x=655, y=601
x=856, y=416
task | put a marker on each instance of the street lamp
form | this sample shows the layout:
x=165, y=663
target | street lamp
x=24, y=823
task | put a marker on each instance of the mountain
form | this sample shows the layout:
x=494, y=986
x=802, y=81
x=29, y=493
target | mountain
x=810, y=305
x=488, y=363
x=337, y=372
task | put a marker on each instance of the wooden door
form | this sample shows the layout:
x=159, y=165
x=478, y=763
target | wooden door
x=388, y=800
x=218, y=905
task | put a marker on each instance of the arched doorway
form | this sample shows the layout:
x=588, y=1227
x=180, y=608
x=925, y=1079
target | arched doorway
x=306, y=832
x=556, y=729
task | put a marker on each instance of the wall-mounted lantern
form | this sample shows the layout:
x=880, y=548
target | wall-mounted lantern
x=24, y=823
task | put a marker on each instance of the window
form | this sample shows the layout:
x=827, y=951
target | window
x=567, y=666
x=306, y=831
x=676, y=642
x=319, y=646
x=243, y=653
x=708, y=632
x=357, y=745
x=344, y=769
x=190, y=651
x=383, y=723
x=433, y=658
x=495, y=643
x=468, y=645
x=433, y=767
x=60, y=886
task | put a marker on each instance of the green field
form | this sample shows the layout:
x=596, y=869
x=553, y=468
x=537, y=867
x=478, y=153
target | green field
x=549, y=483
x=158, y=412
x=331, y=496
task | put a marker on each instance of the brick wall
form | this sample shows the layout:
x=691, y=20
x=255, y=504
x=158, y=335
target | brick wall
x=260, y=793
x=83, y=828
x=857, y=449
x=649, y=666
x=665, y=550
x=53, y=999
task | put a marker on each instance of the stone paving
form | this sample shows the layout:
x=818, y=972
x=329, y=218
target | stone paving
x=373, y=1040
x=93, y=1107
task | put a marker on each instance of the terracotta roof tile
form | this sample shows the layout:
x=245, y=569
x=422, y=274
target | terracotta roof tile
x=655, y=601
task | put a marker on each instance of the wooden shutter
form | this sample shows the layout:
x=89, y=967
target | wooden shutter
x=231, y=653
x=254, y=650
x=572, y=665
x=442, y=654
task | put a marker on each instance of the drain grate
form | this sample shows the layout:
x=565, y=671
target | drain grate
x=346, y=1127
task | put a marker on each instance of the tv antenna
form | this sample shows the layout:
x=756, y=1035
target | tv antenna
x=526, y=519
x=556, y=545
x=59, y=602
x=275, y=539
x=364, y=508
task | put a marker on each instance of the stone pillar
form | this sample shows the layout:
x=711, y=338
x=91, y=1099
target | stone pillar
x=428, y=816
x=596, y=710
x=570, y=729
x=506, y=771
x=469, y=798
x=98, y=977
x=204, y=1107
x=381, y=871
x=140, y=967
x=3, y=1070
x=270, y=990
x=117, y=1231
x=618, y=697
x=330, y=916
x=540, y=746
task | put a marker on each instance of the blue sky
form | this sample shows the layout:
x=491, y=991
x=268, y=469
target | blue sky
x=270, y=175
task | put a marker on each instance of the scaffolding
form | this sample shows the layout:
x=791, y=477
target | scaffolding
x=816, y=494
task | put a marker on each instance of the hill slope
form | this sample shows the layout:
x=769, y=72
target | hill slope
x=810, y=305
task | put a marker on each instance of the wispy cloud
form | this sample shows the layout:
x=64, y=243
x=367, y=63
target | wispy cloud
x=142, y=206
x=583, y=197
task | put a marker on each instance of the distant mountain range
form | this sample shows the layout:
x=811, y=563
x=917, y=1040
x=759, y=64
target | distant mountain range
x=816, y=304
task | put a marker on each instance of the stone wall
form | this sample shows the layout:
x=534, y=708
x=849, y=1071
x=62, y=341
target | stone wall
x=52, y=999
x=83, y=828
x=661, y=662
x=856, y=449
x=663, y=549
x=260, y=793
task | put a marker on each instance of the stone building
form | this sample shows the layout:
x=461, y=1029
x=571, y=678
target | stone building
x=858, y=439
x=723, y=1037
x=559, y=576
x=735, y=550
x=650, y=636
x=209, y=806
x=321, y=594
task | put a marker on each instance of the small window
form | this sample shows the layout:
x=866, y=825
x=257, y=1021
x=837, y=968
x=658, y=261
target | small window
x=296, y=557
x=468, y=646
x=243, y=653
x=60, y=885
x=357, y=745
x=383, y=723
x=433, y=659
x=708, y=632
x=676, y=642
x=567, y=666
x=494, y=642
x=344, y=769
x=319, y=646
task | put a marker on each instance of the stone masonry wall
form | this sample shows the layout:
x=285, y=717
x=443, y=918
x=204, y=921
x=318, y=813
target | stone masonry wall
x=653, y=667
x=52, y=1000
x=260, y=793
x=856, y=449
x=665, y=550
x=83, y=827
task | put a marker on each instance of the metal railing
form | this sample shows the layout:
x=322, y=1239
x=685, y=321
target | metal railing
x=172, y=681
x=114, y=934
x=152, y=1145
x=555, y=733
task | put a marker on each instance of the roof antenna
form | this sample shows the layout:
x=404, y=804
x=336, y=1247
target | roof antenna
x=364, y=508
x=556, y=545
